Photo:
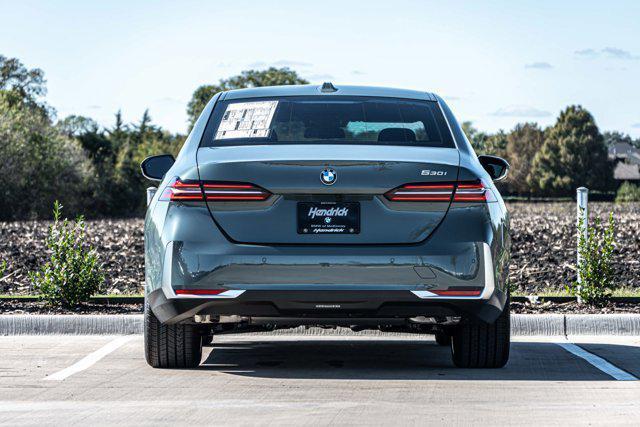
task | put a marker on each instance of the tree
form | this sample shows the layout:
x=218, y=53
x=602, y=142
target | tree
x=127, y=186
x=74, y=126
x=613, y=138
x=476, y=138
x=19, y=82
x=250, y=78
x=39, y=163
x=495, y=144
x=574, y=154
x=523, y=142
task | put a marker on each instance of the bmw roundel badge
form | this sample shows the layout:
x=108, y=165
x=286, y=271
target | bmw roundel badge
x=328, y=177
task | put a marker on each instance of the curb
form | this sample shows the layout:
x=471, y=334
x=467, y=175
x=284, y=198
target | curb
x=69, y=324
x=126, y=324
x=602, y=324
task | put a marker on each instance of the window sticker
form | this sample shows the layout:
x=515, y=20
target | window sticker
x=247, y=120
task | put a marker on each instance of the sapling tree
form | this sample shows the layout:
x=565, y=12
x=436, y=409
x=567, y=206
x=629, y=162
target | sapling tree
x=595, y=268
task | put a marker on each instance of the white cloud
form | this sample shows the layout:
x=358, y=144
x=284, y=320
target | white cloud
x=520, y=111
x=614, y=52
x=586, y=52
x=291, y=64
x=280, y=63
x=609, y=52
x=539, y=65
x=168, y=100
x=317, y=77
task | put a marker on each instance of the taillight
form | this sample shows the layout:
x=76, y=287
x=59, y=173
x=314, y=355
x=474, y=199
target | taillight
x=457, y=292
x=474, y=191
x=421, y=193
x=182, y=191
x=222, y=191
x=213, y=191
x=467, y=191
x=199, y=291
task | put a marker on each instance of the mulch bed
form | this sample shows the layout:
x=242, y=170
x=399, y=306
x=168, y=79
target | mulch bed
x=119, y=242
x=32, y=307
x=543, y=248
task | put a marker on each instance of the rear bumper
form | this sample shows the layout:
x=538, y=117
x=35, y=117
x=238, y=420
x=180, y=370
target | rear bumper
x=396, y=287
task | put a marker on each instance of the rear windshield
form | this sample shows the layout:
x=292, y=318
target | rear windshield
x=327, y=120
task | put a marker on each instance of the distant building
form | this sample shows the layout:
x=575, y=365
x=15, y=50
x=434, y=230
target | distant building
x=627, y=161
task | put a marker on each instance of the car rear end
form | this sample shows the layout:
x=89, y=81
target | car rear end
x=326, y=208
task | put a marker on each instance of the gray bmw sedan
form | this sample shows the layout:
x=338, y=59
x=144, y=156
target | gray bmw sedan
x=359, y=207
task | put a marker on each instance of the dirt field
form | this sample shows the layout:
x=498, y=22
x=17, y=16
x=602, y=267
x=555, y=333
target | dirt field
x=543, y=249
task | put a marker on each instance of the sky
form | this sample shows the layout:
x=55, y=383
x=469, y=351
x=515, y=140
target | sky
x=496, y=63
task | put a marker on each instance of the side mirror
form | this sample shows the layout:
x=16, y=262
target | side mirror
x=156, y=167
x=496, y=167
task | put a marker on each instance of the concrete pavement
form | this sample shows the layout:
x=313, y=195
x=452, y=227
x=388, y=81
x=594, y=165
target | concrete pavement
x=293, y=380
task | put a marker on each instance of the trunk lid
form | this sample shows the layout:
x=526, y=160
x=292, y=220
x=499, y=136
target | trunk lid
x=364, y=173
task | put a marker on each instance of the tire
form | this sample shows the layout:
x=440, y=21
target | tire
x=170, y=346
x=476, y=344
x=443, y=339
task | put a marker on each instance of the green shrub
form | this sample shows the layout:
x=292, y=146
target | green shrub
x=628, y=193
x=73, y=272
x=595, y=268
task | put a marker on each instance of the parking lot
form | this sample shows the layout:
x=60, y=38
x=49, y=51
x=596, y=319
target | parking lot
x=262, y=379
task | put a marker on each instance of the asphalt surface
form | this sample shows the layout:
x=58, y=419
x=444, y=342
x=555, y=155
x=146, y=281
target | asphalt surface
x=295, y=380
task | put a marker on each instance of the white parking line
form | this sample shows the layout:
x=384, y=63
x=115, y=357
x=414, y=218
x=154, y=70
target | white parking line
x=90, y=359
x=598, y=362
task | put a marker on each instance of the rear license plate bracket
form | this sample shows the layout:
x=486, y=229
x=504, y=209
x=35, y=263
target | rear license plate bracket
x=328, y=218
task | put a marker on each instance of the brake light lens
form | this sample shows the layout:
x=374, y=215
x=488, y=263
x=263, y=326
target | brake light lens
x=457, y=293
x=182, y=190
x=437, y=192
x=199, y=291
x=466, y=191
x=473, y=192
x=223, y=191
